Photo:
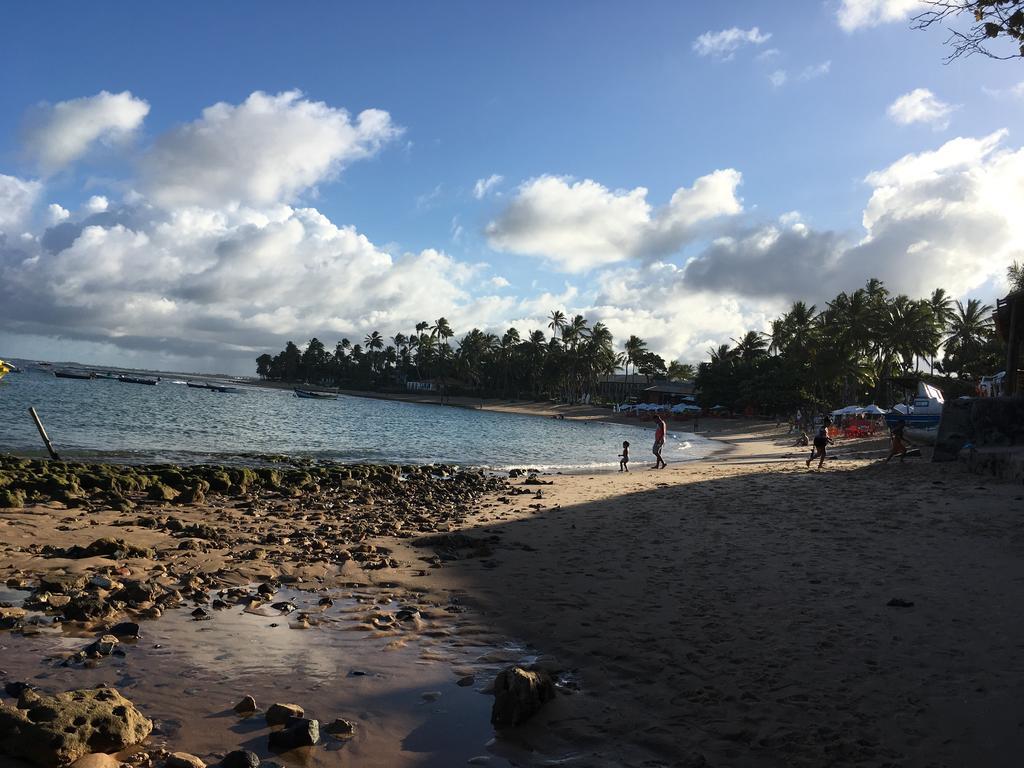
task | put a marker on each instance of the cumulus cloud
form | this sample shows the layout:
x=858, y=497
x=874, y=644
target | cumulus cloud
x=724, y=43
x=921, y=106
x=577, y=225
x=483, y=186
x=267, y=149
x=57, y=213
x=58, y=134
x=778, y=78
x=499, y=282
x=211, y=260
x=946, y=217
x=228, y=283
x=17, y=196
x=858, y=14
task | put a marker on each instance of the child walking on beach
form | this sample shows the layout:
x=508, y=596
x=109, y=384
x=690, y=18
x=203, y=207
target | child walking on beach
x=820, y=441
x=624, y=457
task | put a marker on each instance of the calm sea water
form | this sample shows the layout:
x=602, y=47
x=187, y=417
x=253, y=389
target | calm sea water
x=109, y=420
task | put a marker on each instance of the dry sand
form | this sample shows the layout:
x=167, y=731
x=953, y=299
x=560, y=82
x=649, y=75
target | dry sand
x=725, y=612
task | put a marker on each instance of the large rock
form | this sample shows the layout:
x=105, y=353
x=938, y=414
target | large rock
x=519, y=694
x=53, y=731
x=241, y=758
x=279, y=714
x=299, y=733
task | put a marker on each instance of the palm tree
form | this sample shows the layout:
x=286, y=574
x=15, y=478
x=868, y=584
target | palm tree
x=1015, y=276
x=679, y=371
x=635, y=348
x=751, y=347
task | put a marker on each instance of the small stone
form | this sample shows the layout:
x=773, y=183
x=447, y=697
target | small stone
x=299, y=733
x=125, y=629
x=899, y=603
x=246, y=706
x=341, y=729
x=97, y=760
x=278, y=714
x=104, y=646
x=241, y=758
x=519, y=694
x=431, y=696
x=465, y=682
x=183, y=760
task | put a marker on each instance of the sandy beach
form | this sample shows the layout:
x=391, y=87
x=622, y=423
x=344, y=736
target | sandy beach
x=732, y=611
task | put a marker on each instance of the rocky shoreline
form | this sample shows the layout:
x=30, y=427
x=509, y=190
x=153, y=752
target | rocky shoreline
x=115, y=546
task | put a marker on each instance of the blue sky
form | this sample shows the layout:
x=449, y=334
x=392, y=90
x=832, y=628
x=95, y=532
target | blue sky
x=574, y=105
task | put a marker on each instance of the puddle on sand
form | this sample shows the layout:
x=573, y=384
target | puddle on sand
x=399, y=686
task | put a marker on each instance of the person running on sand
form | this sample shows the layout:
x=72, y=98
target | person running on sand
x=899, y=443
x=820, y=441
x=659, y=442
x=624, y=457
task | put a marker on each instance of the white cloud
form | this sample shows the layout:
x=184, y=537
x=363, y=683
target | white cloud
x=483, y=186
x=724, y=43
x=58, y=134
x=921, y=106
x=778, y=78
x=96, y=204
x=857, y=14
x=57, y=213
x=225, y=283
x=583, y=224
x=268, y=149
x=499, y=282
x=813, y=71
x=1013, y=92
x=17, y=197
x=944, y=218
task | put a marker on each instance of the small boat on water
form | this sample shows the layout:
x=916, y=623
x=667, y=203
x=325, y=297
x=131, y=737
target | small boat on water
x=105, y=375
x=314, y=395
x=137, y=380
x=66, y=374
x=222, y=388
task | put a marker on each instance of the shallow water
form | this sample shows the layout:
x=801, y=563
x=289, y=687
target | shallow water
x=400, y=686
x=107, y=420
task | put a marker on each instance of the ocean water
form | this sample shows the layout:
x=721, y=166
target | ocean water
x=109, y=420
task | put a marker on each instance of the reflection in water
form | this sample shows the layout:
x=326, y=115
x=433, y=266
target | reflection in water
x=399, y=685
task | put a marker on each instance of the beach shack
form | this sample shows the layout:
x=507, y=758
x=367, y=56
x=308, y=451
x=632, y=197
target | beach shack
x=670, y=393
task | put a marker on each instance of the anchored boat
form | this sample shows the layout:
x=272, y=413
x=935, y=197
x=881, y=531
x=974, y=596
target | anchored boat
x=137, y=380
x=313, y=395
x=65, y=374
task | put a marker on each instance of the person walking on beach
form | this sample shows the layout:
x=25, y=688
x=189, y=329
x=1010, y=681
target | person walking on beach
x=899, y=442
x=820, y=441
x=659, y=442
x=624, y=457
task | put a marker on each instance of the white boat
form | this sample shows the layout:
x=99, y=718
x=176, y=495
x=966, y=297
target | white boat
x=921, y=416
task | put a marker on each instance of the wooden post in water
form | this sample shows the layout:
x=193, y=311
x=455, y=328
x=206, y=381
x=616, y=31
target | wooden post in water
x=42, y=434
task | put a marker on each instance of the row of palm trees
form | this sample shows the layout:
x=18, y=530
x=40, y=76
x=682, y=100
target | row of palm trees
x=567, y=365
x=852, y=349
x=859, y=347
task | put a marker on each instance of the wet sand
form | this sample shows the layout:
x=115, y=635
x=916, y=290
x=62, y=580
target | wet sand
x=726, y=612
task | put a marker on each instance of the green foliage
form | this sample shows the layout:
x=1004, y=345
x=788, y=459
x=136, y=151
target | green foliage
x=851, y=351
